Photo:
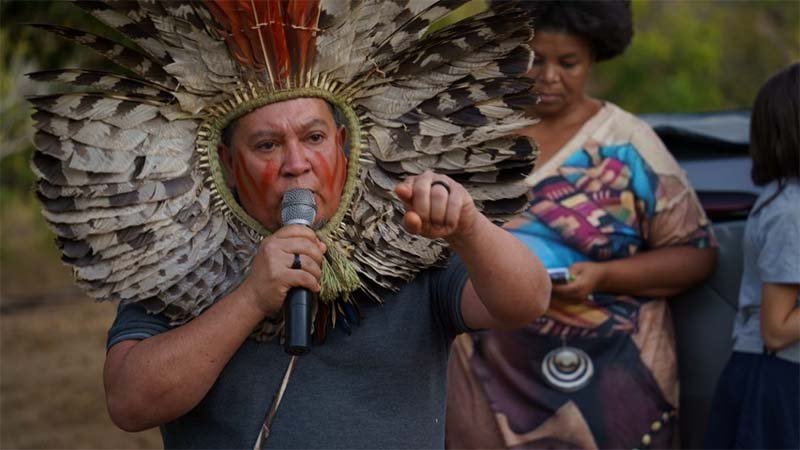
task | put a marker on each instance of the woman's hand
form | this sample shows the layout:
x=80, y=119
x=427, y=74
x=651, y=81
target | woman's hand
x=661, y=272
x=586, y=277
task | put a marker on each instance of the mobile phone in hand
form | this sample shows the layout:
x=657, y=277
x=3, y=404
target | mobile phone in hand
x=559, y=275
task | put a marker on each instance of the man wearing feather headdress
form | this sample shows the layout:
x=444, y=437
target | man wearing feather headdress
x=164, y=188
x=188, y=376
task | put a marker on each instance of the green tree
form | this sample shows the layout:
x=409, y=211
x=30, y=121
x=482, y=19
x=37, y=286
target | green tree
x=25, y=49
x=686, y=56
x=700, y=55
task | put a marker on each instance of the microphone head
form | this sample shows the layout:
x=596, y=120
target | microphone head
x=298, y=207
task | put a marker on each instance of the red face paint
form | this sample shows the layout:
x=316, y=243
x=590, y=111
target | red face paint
x=271, y=204
x=293, y=159
x=331, y=172
x=245, y=183
x=254, y=176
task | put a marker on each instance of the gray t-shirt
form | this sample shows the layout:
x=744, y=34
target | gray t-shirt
x=384, y=386
x=771, y=250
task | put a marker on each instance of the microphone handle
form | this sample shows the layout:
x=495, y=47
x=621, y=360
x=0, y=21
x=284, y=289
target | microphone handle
x=297, y=320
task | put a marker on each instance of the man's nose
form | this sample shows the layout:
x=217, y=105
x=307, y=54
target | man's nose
x=295, y=161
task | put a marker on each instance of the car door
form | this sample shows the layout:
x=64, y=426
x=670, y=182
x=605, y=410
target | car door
x=712, y=150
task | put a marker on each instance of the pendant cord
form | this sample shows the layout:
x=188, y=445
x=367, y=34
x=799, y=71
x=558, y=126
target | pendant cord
x=276, y=401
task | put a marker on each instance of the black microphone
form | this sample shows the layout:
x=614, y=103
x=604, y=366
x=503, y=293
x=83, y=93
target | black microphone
x=298, y=207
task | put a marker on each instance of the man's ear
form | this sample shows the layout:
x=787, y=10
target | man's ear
x=225, y=154
x=341, y=140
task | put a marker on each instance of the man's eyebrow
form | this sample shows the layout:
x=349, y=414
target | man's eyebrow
x=313, y=122
x=260, y=134
x=270, y=133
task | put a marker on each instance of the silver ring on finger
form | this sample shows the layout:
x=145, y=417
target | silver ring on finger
x=296, y=262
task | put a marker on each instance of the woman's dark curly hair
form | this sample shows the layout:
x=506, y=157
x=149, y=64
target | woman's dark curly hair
x=607, y=25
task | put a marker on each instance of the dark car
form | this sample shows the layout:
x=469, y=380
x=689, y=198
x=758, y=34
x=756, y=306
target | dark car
x=712, y=149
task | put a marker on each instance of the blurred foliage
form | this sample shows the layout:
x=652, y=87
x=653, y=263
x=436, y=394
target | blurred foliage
x=468, y=9
x=700, y=55
x=25, y=49
x=687, y=55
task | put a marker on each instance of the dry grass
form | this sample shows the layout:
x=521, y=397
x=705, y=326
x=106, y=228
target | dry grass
x=51, y=389
x=29, y=258
x=52, y=345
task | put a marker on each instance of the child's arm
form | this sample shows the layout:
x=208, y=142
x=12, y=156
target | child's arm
x=780, y=316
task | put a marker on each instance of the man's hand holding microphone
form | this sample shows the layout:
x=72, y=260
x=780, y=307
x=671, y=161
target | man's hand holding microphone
x=289, y=260
x=287, y=267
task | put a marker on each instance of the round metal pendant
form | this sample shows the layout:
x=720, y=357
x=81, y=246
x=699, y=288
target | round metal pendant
x=567, y=368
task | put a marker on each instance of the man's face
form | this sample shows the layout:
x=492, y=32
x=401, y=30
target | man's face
x=286, y=145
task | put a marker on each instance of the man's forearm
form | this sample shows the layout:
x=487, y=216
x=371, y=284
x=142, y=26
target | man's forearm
x=508, y=279
x=159, y=379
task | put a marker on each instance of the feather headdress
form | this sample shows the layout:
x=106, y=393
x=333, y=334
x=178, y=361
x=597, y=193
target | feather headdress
x=128, y=171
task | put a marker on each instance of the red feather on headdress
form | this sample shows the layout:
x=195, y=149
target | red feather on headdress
x=303, y=18
x=276, y=36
